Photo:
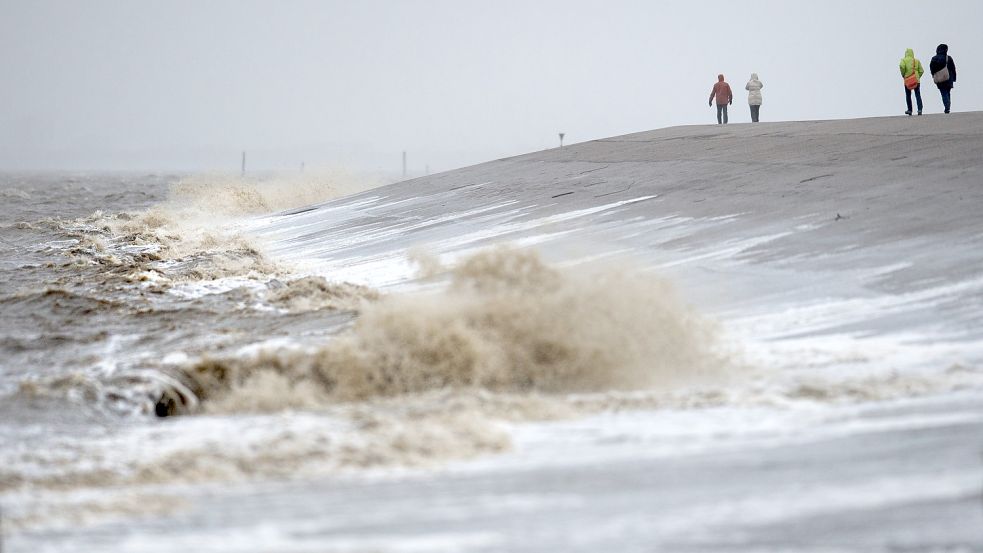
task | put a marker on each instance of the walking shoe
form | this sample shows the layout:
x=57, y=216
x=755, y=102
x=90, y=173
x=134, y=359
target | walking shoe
x=919, y=112
x=908, y=113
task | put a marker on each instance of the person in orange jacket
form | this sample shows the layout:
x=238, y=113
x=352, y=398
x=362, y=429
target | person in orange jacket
x=721, y=91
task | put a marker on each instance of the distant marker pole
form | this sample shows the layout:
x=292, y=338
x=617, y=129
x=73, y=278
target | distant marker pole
x=562, y=134
x=243, y=163
x=404, y=164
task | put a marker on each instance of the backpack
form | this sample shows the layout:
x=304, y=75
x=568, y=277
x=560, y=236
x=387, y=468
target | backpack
x=942, y=75
x=911, y=81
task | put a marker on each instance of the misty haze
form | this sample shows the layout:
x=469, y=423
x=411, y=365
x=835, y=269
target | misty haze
x=314, y=276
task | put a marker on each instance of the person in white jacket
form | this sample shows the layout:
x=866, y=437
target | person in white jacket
x=753, y=88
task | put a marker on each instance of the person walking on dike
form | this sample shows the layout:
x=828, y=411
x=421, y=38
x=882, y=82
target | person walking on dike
x=753, y=88
x=911, y=72
x=944, y=74
x=721, y=91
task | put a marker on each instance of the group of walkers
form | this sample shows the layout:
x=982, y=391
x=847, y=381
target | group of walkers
x=942, y=68
x=943, y=71
x=725, y=97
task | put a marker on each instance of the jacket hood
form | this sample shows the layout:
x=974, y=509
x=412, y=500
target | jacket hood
x=754, y=76
x=720, y=78
x=942, y=50
x=909, y=53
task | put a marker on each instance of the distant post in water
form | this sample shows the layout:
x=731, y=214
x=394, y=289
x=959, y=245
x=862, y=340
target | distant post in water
x=562, y=134
x=243, y=163
x=404, y=164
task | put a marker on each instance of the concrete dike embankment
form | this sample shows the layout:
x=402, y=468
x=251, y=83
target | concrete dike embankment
x=752, y=216
x=843, y=252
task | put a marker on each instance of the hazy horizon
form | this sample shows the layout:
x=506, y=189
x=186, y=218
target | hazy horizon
x=188, y=86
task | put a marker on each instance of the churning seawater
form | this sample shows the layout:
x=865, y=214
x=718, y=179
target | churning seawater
x=105, y=298
x=150, y=345
x=127, y=299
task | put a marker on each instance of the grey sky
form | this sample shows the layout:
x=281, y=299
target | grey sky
x=189, y=84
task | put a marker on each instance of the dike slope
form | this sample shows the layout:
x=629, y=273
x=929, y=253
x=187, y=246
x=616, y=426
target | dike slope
x=795, y=212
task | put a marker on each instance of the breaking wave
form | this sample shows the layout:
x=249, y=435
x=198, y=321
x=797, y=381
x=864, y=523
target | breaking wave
x=418, y=379
x=233, y=195
x=506, y=322
x=417, y=430
x=312, y=293
x=196, y=232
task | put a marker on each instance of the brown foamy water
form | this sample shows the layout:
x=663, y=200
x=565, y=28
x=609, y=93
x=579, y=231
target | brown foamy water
x=125, y=298
x=504, y=322
x=161, y=304
x=91, y=263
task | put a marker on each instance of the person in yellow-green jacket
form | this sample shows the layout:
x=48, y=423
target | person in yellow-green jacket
x=911, y=72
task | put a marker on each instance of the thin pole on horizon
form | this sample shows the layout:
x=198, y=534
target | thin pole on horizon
x=562, y=134
x=244, y=163
x=404, y=164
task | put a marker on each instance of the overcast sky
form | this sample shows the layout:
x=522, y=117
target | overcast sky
x=189, y=84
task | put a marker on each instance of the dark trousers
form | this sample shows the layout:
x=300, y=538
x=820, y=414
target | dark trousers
x=946, y=98
x=721, y=114
x=918, y=96
x=755, y=110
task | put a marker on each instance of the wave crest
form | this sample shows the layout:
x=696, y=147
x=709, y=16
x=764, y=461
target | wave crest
x=506, y=322
x=313, y=292
x=196, y=233
x=233, y=195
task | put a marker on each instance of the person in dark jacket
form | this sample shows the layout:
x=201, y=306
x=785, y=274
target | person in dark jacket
x=944, y=74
